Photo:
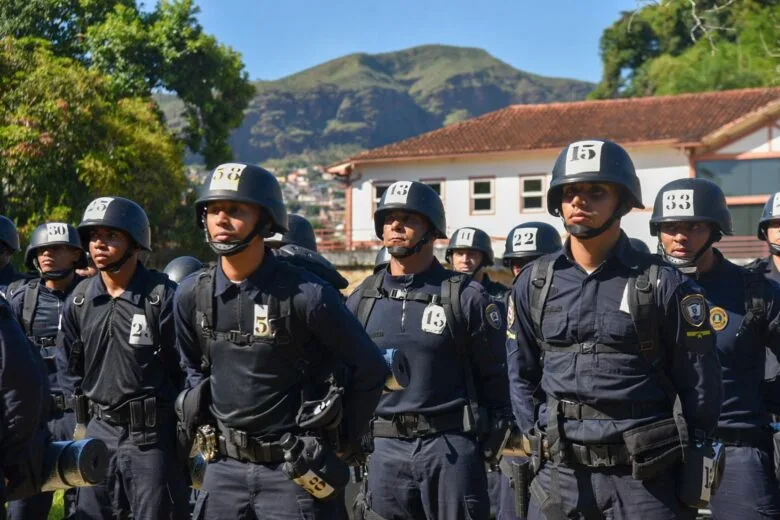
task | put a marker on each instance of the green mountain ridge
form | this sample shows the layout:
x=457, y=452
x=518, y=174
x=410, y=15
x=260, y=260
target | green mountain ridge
x=363, y=101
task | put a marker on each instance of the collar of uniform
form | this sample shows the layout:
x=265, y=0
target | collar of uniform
x=414, y=280
x=73, y=284
x=622, y=252
x=133, y=291
x=718, y=268
x=253, y=282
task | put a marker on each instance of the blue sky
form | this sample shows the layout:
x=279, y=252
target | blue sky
x=281, y=37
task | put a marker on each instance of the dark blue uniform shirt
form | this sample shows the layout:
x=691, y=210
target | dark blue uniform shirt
x=584, y=307
x=257, y=388
x=46, y=317
x=23, y=386
x=741, y=355
x=121, y=360
x=437, y=374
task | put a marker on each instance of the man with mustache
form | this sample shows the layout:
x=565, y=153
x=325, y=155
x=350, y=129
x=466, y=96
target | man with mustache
x=118, y=346
x=55, y=251
x=610, y=358
x=689, y=216
x=429, y=457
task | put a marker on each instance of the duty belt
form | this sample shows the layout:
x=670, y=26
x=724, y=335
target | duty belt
x=608, y=410
x=146, y=411
x=752, y=437
x=119, y=416
x=240, y=445
x=413, y=425
x=590, y=455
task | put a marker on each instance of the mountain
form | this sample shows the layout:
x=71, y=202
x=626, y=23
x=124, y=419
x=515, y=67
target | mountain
x=368, y=100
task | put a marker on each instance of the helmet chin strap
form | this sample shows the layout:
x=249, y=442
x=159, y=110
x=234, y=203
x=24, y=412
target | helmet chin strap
x=53, y=275
x=233, y=247
x=688, y=265
x=774, y=248
x=115, y=267
x=403, y=252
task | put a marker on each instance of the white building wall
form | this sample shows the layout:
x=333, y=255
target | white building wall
x=655, y=166
x=757, y=142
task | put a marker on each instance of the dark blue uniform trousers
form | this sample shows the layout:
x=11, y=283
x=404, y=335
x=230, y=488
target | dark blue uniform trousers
x=749, y=489
x=439, y=477
x=612, y=494
x=37, y=507
x=143, y=482
x=235, y=490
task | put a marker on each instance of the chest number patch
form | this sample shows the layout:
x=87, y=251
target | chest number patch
x=261, y=327
x=434, y=320
x=139, y=331
x=719, y=319
x=693, y=307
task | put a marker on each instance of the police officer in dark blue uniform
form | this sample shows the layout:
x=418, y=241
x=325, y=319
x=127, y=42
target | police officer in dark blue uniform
x=527, y=242
x=9, y=244
x=428, y=461
x=769, y=231
x=299, y=232
x=470, y=251
x=601, y=341
x=524, y=244
x=55, y=251
x=181, y=267
x=117, y=343
x=25, y=395
x=689, y=216
x=251, y=329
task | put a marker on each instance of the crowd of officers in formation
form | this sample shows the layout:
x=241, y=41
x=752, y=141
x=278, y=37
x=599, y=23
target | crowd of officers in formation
x=607, y=382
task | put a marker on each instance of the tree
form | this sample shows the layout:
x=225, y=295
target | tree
x=674, y=46
x=142, y=52
x=65, y=138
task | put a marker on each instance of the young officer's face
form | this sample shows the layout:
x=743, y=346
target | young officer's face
x=589, y=204
x=107, y=245
x=684, y=239
x=57, y=257
x=229, y=221
x=403, y=229
x=518, y=264
x=773, y=232
x=466, y=260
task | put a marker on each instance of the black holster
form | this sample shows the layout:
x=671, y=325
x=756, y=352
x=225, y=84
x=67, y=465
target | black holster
x=536, y=439
x=495, y=429
x=192, y=410
x=144, y=422
x=81, y=407
x=323, y=417
x=654, y=448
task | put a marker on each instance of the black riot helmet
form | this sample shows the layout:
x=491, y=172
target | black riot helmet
x=299, y=232
x=771, y=212
x=639, y=245
x=691, y=200
x=531, y=240
x=51, y=234
x=382, y=259
x=414, y=197
x=181, y=267
x=9, y=236
x=594, y=160
x=471, y=238
x=117, y=213
x=243, y=183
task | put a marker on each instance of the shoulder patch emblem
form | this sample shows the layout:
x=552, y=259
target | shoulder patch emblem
x=493, y=316
x=692, y=308
x=510, y=312
x=719, y=319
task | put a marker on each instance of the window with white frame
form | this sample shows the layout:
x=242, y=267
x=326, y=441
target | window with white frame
x=532, y=193
x=481, y=192
x=437, y=185
x=379, y=190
